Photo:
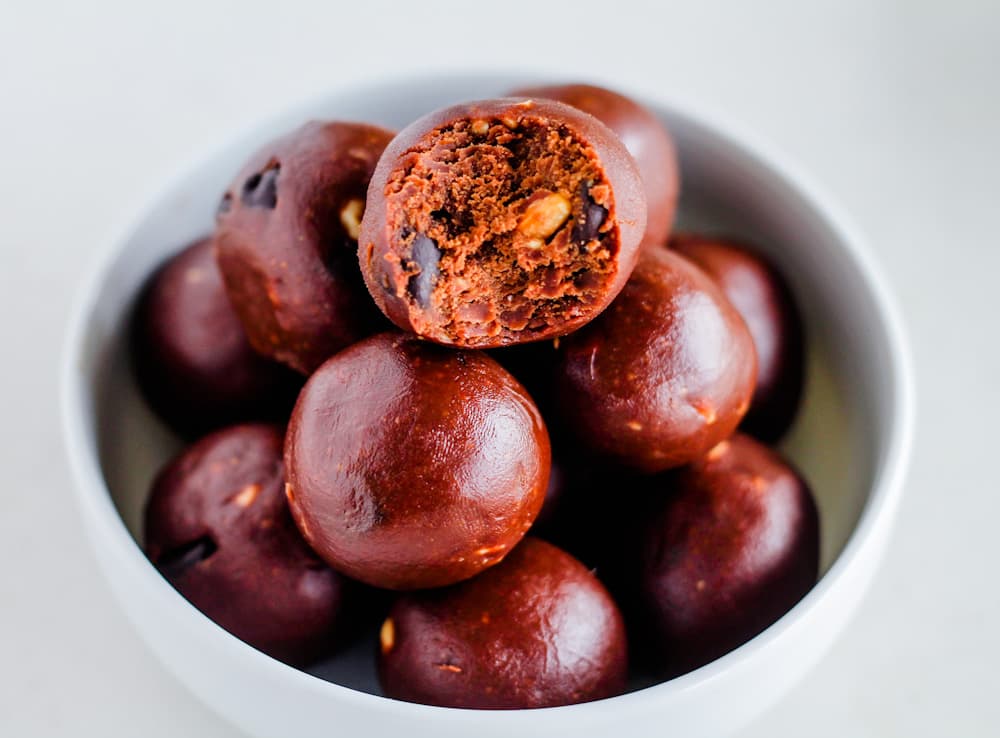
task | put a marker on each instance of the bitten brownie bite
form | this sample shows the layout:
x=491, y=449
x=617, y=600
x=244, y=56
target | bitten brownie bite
x=663, y=374
x=411, y=465
x=764, y=300
x=191, y=357
x=537, y=630
x=501, y=221
x=286, y=236
x=733, y=548
x=644, y=136
x=217, y=527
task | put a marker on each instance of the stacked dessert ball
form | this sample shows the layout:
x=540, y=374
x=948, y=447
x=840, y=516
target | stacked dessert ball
x=525, y=416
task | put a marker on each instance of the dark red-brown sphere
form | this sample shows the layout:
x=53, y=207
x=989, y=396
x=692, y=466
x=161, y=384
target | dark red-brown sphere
x=499, y=222
x=762, y=297
x=733, y=547
x=286, y=236
x=217, y=527
x=411, y=465
x=191, y=356
x=537, y=630
x=644, y=136
x=662, y=375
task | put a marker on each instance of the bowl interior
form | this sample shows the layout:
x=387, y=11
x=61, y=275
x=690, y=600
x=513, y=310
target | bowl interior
x=839, y=439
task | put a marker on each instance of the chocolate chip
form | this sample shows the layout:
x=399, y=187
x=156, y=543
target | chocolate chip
x=590, y=219
x=425, y=255
x=176, y=561
x=225, y=205
x=261, y=190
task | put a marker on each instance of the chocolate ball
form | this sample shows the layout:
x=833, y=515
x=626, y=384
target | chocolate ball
x=761, y=295
x=663, y=374
x=501, y=221
x=644, y=136
x=538, y=630
x=733, y=548
x=191, y=357
x=411, y=465
x=217, y=527
x=287, y=242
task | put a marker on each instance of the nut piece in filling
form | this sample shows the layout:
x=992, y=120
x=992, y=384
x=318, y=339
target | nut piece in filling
x=500, y=222
x=287, y=241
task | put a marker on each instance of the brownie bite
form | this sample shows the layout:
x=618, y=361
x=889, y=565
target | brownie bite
x=734, y=545
x=411, y=465
x=287, y=231
x=191, y=357
x=537, y=630
x=500, y=222
x=663, y=374
x=218, y=528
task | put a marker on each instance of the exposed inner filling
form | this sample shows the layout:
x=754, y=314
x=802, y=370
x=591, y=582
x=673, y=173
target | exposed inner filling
x=501, y=227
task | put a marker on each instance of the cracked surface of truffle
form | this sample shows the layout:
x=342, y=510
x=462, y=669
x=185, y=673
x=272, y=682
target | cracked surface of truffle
x=500, y=222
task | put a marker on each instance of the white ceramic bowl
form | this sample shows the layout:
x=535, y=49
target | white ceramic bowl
x=852, y=441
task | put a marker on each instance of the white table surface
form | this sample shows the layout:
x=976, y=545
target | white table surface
x=894, y=105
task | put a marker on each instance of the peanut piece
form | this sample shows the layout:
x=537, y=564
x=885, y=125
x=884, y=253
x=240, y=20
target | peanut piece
x=544, y=216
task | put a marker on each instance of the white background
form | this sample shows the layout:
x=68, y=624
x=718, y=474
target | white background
x=894, y=105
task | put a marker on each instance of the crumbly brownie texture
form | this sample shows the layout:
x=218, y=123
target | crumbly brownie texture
x=644, y=136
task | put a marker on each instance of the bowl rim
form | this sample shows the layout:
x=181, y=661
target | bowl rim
x=95, y=501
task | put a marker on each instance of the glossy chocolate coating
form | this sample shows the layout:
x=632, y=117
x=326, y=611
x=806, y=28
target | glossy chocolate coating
x=191, y=357
x=538, y=630
x=499, y=222
x=217, y=527
x=411, y=465
x=287, y=242
x=761, y=295
x=644, y=136
x=663, y=374
x=734, y=547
